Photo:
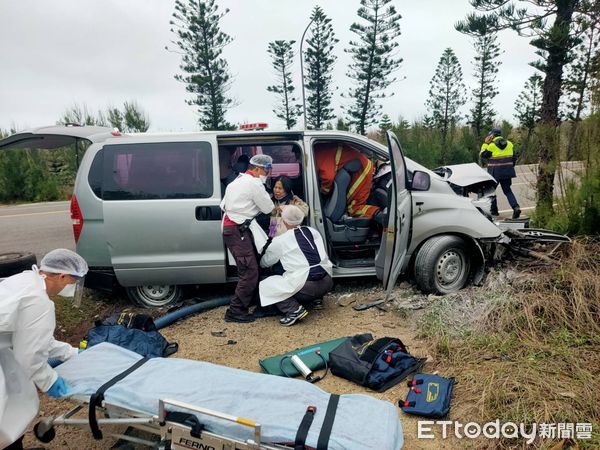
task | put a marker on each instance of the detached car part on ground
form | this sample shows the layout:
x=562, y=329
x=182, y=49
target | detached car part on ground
x=439, y=226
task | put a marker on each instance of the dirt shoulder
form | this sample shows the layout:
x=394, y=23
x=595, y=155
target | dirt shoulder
x=265, y=338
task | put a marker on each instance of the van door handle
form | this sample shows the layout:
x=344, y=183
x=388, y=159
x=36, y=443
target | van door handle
x=208, y=213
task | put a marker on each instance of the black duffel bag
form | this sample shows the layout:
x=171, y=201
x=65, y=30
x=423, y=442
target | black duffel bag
x=374, y=363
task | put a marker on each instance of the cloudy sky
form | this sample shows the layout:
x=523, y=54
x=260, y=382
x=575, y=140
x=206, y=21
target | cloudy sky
x=103, y=52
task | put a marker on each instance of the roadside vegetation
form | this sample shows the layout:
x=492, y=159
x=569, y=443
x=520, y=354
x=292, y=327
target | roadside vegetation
x=526, y=347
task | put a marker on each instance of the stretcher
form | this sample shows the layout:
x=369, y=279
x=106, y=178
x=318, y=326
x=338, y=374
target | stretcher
x=193, y=404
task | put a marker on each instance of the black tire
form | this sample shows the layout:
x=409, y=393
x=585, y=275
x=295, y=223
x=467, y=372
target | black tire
x=15, y=262
x=442, y=265
x=46, y=437
x=155, y=296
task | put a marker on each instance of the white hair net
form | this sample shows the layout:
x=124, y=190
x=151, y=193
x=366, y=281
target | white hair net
x=262, y=161
x=64, y=261
x=292, y=215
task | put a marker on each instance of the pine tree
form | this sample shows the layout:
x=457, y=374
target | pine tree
x=553, y=25
x=385, y=124
x=577, y=82
x=373, y=60
x=342, y=125
x=206, y=74
x=282, y=57
x=595, y=84
x=319, y=64
x=528, y=109
x=486, y=67
x=80, y=115
x=529, y=103
x=447, y=94
x=136, y=120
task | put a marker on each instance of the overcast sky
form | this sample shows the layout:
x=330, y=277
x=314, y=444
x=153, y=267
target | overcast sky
x=103, y=52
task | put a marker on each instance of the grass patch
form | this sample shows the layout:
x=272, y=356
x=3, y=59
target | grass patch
x=534, y=355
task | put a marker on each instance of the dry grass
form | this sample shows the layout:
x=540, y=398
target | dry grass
x=533, y=355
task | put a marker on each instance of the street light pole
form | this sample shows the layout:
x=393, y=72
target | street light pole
x=302, y=69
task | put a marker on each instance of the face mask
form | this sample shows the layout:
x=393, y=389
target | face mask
x=68, y=291
x=263, y=178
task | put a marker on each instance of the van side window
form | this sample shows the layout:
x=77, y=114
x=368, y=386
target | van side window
x=287, y=161
x=95, y=174
x=157, y=171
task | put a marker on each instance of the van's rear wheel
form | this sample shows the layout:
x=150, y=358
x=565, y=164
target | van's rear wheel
x=442, y=265
x=155, y=295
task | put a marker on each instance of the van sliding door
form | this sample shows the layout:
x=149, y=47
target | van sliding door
x=161, y=212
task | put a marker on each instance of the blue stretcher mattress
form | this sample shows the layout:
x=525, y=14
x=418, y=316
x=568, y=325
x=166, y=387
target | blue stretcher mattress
x=277, y=403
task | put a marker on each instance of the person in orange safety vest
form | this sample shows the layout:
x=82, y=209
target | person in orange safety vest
x=331, y=157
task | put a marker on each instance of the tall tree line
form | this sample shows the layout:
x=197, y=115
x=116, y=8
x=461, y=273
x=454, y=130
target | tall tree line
x=373, y=60
x=200, y=42
x=320, y=59
x=486, y=66
x=447, y=94
x=282, y=56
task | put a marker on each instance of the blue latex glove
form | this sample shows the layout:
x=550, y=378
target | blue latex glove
x=58, y=389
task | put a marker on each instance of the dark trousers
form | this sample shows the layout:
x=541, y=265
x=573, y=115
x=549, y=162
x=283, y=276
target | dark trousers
x=311, y=291
x=512, y=200
x=17, y=445
x=241, y=247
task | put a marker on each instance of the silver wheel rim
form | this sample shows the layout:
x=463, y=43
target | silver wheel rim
x=157, y=294
x=450, y=268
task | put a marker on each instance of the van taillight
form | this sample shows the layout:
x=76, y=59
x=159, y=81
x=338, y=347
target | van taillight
x=76, y=218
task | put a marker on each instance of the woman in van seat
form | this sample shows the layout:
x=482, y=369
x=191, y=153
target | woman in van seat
x=282, y=196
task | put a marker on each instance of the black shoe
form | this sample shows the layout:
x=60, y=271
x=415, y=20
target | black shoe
x=293, y=317
x=265, y=311
x=317, y=304
x=516, y=213
x=239, y=318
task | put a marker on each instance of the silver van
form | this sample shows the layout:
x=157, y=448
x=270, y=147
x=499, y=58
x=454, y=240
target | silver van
x=145, y=209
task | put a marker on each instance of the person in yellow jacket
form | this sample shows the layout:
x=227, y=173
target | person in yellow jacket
x=498, y=153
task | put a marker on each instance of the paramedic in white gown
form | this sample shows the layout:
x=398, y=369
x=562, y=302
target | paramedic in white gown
x=27, y=322
x=307, y=267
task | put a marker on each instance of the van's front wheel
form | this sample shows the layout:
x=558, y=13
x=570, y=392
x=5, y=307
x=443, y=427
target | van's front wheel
x=442, y=265
x=155, y=295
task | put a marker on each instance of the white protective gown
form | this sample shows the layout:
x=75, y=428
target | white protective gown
x=27, y=322
x=245, y=198
x=285, y=249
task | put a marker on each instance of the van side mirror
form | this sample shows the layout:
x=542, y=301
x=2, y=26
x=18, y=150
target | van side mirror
x=420, y=181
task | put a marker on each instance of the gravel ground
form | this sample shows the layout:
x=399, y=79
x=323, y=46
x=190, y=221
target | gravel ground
x=266, y=337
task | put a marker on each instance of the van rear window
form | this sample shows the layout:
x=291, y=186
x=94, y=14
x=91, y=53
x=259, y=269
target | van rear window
x=157, y=171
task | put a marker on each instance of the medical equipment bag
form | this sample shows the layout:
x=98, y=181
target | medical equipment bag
x=274, y=364
x=374, y=363
x=429, y=396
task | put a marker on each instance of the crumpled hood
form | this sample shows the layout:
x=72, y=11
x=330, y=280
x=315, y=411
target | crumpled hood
x=465, y=175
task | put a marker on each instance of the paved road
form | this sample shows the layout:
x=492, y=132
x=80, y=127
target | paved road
x=41, y=227
x=35, y=227
x=525, y=183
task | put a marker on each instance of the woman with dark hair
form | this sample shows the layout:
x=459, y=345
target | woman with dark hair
x=283, y=195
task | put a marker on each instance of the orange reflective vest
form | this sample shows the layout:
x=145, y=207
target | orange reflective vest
x=329, y=159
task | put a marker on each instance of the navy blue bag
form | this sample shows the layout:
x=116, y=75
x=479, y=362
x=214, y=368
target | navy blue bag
x=135, y=332
x=429, y=396
x=374, y=363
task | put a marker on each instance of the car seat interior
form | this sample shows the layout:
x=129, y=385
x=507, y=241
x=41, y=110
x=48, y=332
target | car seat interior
x=353, y=241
